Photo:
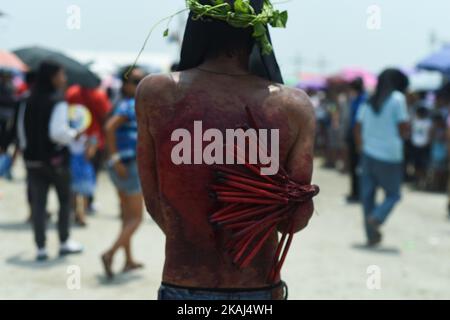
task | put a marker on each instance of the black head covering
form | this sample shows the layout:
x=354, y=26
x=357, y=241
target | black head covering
x=195, y=46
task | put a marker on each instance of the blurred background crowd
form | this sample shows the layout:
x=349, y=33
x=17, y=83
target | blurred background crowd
x=337, y=100
x=67, y=117
x=101, y=131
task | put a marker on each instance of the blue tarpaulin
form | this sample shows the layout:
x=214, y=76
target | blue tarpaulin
x=439, y=61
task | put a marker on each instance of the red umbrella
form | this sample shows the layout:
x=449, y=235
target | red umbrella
x=312, y=81
x=352, y=73
x=11, y=61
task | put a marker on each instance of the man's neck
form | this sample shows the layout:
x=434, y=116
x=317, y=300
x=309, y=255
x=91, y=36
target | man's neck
x=236, y=64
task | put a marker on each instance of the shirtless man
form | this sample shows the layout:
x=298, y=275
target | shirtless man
x=176, y=196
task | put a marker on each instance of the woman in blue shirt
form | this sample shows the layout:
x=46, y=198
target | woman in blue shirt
x=382, y=125
x=121, y=138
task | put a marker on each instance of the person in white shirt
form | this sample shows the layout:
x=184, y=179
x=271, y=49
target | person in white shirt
x=421, y=142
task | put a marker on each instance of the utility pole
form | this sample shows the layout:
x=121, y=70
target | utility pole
x=433, y=40
x=5, y=17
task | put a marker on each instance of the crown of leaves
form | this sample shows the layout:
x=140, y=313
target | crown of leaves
x=242, y=15
x=239, y=15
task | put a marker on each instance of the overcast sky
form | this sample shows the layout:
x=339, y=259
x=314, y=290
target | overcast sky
x=322, y=34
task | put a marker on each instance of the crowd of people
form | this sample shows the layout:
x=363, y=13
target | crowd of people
x=67, y=135
x=221, y=223
x=383, y=139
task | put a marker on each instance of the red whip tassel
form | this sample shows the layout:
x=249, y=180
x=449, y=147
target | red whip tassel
x=253, y=206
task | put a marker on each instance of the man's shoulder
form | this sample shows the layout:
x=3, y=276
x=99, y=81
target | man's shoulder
x=293, y=95
x=155, y=91
x=295, y=101
x=156, y=87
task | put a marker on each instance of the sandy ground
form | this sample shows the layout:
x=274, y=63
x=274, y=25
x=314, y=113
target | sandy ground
x=327, y=261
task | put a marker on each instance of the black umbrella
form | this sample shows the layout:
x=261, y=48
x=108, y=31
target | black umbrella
x=77, y=73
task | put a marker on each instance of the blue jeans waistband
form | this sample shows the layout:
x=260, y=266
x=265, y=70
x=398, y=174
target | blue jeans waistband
x=174, y=292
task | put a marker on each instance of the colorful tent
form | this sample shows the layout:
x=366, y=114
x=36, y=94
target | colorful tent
x=438, y=61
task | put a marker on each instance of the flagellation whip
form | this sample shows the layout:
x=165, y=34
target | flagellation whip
x=253, y=206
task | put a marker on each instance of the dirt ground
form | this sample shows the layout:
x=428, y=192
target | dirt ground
x=327, y=260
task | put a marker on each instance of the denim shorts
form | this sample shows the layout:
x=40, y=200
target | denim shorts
x=130, y=184
x=171, y=292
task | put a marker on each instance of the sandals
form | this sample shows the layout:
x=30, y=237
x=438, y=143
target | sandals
x=132, y=267
x=107, y=264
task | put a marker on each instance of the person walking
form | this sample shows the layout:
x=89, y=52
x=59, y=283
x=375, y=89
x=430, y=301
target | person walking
x=8, y=117
x=47, y=135
x=443, y=106
x=382, y=125
x=97, y=102
x=83, y=175
x=121, y=139
x=358, y=97
x=25, y=93
x=421, y=127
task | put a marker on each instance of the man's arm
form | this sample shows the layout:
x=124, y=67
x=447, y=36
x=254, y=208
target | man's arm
x=146, y=154
x=404, y=129
x=300, y=160
x=403, y=117
x=110, y=139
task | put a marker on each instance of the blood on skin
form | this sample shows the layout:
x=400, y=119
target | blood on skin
x=193, y=250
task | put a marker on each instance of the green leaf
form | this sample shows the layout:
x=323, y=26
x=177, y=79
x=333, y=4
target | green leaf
x=241, y=6
x=266, y=47
x=284, y=19
x=237, y=23
x=217, y=2
x=279, y=19
x=166, y=33
x=259, y=30
x=267, y=8
x=224, y=9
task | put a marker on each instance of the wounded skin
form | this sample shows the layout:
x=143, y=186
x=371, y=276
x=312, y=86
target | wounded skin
x=177, y=196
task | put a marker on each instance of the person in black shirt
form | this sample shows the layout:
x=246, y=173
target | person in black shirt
x=47, y=134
